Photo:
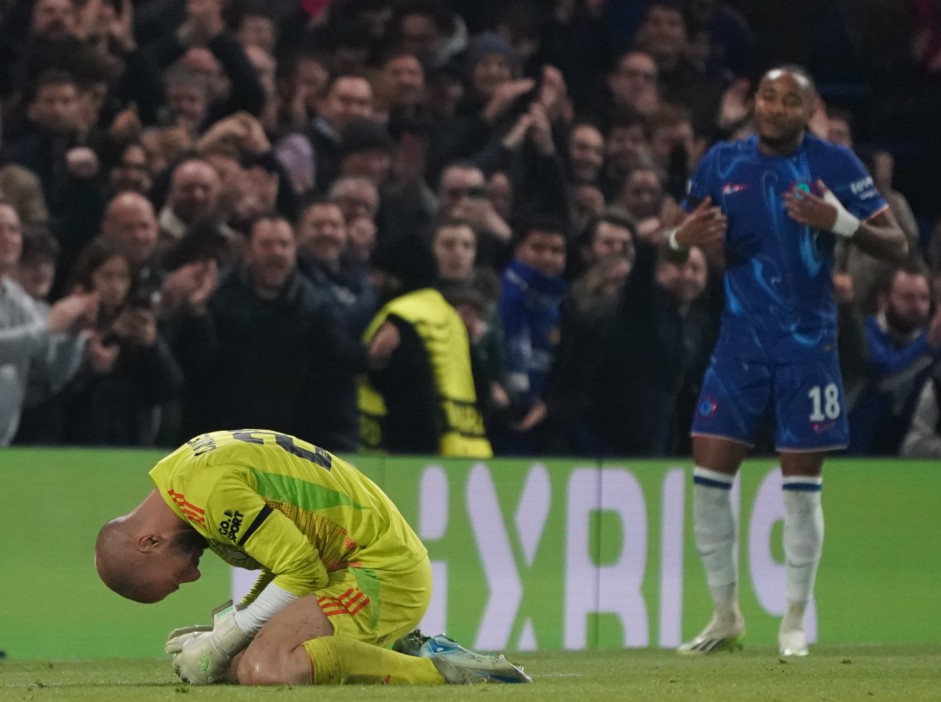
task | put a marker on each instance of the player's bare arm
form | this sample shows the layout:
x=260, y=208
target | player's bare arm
x=880, y=236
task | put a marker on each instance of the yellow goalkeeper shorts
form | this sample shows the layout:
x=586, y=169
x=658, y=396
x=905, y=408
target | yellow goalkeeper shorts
x=375, y=606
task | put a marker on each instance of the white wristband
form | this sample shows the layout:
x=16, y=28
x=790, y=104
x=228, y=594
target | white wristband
x=846, y=224
x=671, y=240
x=271, y=601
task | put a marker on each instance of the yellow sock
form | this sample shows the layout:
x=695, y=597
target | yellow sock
x=337, y=660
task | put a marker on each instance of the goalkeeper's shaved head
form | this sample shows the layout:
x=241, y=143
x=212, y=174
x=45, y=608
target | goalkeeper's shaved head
x=149, y=552
x=145, y=558
x=120, y=564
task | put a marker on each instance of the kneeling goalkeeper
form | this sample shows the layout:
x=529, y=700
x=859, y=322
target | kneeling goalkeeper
x=343, y=575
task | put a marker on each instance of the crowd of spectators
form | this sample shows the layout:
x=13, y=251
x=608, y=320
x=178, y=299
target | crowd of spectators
x=196, y=197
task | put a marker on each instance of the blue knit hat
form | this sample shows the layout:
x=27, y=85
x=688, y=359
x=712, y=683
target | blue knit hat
x=488, y=43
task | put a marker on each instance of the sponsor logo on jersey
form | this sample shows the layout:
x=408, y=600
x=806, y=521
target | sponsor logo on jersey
x=231, y=524
x=864, y=188
x=730, y=188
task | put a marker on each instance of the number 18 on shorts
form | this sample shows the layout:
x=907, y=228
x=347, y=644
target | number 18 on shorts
x=805, y=396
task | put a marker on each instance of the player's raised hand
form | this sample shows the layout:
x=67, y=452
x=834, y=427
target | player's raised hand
x=705, y=225
x=823, y=211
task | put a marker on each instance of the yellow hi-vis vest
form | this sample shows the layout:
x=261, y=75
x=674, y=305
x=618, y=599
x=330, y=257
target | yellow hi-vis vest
x=445, y=338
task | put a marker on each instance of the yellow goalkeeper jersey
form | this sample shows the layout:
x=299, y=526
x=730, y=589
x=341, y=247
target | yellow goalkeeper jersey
x=272, y=501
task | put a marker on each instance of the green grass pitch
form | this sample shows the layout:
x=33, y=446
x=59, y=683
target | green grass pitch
x=835, y=673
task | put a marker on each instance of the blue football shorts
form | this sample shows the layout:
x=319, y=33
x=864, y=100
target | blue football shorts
x=802, y=386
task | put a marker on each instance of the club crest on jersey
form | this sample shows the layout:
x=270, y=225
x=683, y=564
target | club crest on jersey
x=801, y=187
x=707, y=407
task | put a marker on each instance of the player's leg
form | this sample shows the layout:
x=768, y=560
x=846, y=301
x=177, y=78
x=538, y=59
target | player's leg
x=803, y=543
x=730, y=406
x=811, y=420
x=339, y=636
x=336, y=635
x=276, y=656
x=340, y=660
x=405, y=598
x=298, y=647
x=716, y=539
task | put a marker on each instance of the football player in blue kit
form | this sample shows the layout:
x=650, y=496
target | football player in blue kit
x=777, y=200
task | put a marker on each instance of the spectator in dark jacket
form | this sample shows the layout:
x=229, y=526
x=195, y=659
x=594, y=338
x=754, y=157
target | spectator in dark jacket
x=346, y=96
x=582, y=327
x=202, y=45
x=322, y=243
x=649, y=344
x=267, y=352
x=49, y=144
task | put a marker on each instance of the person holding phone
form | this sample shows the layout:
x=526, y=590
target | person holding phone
x=129, y=372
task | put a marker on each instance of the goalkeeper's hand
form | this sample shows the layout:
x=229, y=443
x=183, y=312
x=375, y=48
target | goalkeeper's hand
x=202, y=655
x=179, y=636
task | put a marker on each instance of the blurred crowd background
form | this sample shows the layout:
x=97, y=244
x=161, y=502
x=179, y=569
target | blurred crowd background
x=249, y=213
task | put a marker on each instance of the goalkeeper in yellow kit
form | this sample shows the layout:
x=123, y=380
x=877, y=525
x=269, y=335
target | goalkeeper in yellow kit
x=343, y=575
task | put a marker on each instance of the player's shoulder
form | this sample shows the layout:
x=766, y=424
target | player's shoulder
x=734, y=147
x=725, y=154
x=827, y=150
x=843, y=172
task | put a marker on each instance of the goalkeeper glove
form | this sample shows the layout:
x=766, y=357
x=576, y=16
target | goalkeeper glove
x=179, y=636
x=202, y=655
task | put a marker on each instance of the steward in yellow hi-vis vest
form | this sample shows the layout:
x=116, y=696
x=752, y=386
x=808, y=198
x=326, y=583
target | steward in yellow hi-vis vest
x=423, y=400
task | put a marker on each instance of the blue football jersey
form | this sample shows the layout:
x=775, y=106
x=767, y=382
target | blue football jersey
x=778, y=284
